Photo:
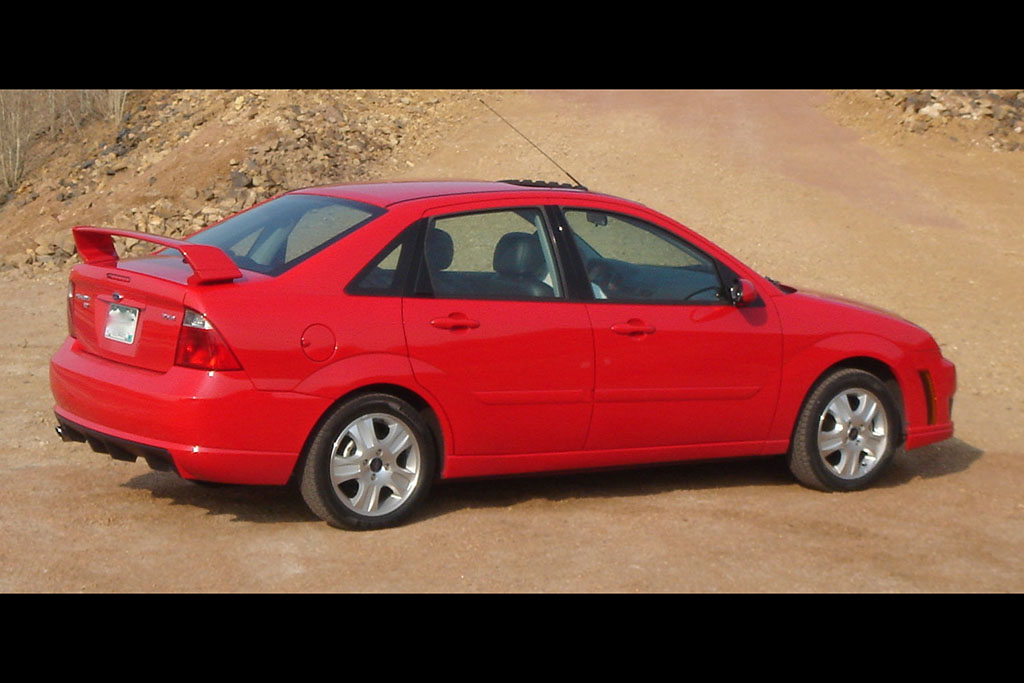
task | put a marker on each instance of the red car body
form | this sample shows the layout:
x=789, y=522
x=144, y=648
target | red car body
x=571, y=378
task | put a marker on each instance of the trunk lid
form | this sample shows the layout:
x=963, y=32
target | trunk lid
x=131, y=311
x=127, y=316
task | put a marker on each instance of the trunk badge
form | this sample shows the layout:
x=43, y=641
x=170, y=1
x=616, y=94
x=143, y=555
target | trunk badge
x=117, y=297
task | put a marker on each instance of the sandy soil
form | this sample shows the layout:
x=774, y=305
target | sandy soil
x=817, y=191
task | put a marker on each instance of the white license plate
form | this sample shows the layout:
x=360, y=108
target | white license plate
x=121, y=323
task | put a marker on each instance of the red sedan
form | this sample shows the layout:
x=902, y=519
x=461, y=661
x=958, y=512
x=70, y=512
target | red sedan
x=365, y=340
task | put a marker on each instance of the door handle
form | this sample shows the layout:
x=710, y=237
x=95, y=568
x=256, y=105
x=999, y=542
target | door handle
x=633, y=327
x=455, y=321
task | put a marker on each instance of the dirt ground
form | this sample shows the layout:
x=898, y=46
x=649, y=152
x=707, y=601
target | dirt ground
x=817, y=191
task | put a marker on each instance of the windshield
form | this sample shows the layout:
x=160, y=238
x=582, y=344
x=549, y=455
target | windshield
x=273, y=237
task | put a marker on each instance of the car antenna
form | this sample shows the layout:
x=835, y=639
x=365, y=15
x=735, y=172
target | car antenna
x=578, y=183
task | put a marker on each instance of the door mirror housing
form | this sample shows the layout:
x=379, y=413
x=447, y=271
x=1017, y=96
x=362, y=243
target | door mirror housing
x=742, y=292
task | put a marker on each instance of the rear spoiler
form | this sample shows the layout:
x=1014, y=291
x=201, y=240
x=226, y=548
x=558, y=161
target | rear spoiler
x=209, y=263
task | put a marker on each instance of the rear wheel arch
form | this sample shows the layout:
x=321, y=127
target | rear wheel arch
x=425, y=409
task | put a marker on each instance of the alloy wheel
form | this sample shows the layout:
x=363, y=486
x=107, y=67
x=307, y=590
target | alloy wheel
x=853, y=433
x=375, y=464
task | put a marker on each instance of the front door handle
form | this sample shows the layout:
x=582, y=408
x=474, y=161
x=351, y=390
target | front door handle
x=455, y=321
x=633, y=327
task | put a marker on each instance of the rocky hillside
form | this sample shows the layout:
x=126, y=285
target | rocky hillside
x=992, y=117
x=986, y=120
x=180, y=160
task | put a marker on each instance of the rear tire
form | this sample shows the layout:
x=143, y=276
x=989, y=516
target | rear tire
x=370, y=464
x=847, y=433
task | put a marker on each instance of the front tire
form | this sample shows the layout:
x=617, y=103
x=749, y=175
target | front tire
x=370, y=464
x=847, y=433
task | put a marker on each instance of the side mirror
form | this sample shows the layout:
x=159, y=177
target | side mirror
x=742, y=292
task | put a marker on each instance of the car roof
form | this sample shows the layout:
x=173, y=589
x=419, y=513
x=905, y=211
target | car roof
x=386, y=194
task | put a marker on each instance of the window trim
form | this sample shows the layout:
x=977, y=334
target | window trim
x=412, y=278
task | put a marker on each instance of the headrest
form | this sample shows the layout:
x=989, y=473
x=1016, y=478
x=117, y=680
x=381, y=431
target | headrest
x=518, y=254
x=439, y=249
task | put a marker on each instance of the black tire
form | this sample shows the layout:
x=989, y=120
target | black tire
x=370, y=464
x=847, y=433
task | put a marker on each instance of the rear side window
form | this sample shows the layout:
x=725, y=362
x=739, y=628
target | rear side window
x=275, y=236
x=384, y=276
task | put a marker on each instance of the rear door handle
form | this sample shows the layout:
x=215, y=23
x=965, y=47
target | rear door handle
x=633, y=327
x=455, y=321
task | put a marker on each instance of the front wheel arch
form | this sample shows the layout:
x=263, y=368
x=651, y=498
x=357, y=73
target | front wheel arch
x=809, y=464
x=881, y=370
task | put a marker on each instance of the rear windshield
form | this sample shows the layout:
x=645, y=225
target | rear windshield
x=273, y=237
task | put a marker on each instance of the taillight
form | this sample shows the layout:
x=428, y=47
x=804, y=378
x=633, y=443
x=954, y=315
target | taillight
x=71, y=310
x=201, y=346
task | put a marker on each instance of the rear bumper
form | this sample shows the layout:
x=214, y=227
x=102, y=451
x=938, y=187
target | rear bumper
x=212, y=426
x=119, y=449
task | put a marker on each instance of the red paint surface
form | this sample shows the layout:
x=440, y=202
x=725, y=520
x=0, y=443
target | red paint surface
x=515, y=385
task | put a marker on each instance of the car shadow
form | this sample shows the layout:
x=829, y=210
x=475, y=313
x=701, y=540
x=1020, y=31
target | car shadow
x=243, y=503
x=937, y=460
x=278, y=504
x=448, y=496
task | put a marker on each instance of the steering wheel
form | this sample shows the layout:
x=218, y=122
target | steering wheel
x=604, y=276
x=700, y=291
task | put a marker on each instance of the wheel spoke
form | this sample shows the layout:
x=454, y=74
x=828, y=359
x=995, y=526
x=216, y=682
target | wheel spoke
x=829, y=442
x=367, y=498
x=363, y=434
x=397, y=440
x=851, y=460
x=840, y=408
x=344, y=469
x=402, y=482
x=874, y=443
x=866, y=409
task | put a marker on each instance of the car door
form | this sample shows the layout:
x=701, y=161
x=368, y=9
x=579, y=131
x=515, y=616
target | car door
x=492, y=336
x=677, y=363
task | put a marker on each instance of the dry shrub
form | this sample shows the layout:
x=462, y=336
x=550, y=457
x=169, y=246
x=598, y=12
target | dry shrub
x=27, y=114
x=14, y=136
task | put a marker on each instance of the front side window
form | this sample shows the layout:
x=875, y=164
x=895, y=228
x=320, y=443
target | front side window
x=275, y=236
x=630, y=260
x=502, y=254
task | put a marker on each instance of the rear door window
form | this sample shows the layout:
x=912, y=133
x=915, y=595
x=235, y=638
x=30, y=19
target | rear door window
x=500, y=254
